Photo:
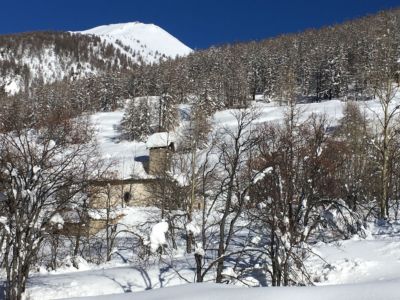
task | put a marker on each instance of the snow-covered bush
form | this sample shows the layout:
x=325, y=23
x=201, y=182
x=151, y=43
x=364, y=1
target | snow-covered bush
x=157, y=236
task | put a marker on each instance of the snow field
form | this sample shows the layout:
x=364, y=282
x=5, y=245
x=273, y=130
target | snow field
x=148, y=40
x=353, y=269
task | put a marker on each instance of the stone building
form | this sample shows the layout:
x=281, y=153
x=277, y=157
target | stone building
x=112, y=193
x=122, y=192
x=161, y=145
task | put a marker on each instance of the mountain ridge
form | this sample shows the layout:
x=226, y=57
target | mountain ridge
x=150, y=41
x=45, y=57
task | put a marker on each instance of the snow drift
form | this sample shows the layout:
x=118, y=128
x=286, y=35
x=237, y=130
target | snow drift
x=387, y=290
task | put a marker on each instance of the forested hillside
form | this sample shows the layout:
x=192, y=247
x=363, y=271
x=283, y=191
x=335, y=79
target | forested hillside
x=45, y=57
x=342, y=61
x=265, y=163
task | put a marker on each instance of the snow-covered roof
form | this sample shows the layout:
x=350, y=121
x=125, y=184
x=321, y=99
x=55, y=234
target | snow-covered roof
x=160, y=139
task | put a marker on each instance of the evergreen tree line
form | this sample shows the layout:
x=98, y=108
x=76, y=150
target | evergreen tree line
x=339, y=61
x=343, y=61
x=347, y=61
x=27, y=56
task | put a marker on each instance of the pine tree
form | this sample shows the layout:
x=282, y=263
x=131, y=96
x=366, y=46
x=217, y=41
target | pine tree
x=135, y=124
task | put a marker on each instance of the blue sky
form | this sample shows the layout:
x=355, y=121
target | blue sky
x=197, y=23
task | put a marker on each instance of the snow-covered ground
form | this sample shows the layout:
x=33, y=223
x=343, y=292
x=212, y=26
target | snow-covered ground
x=358, y=268
x=387, y=290
x=375, y=258
x=353, y=269
x=123, y=152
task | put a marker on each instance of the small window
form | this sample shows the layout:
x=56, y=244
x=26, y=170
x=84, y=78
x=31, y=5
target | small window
x=127, y=197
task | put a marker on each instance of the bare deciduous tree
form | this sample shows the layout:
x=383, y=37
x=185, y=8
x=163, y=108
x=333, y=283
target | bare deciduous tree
x=39, y=177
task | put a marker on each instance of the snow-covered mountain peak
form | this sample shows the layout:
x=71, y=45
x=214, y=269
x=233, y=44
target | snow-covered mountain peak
x=148, y=41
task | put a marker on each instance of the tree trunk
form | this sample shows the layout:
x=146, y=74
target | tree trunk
x=385, y=167
x=199, y=276
x=189, y=242
x=189, y=236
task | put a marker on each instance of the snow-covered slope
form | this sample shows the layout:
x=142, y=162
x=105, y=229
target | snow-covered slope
x=362, y=267
x=137, y=39
x=123, y=152
x=356, y=269
x=46, y=57
x=387, y=290
x=53, y=56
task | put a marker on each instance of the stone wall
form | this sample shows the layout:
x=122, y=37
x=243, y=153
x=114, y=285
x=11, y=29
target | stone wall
x=89, y=228
x=159, y=160
x=121, y=192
